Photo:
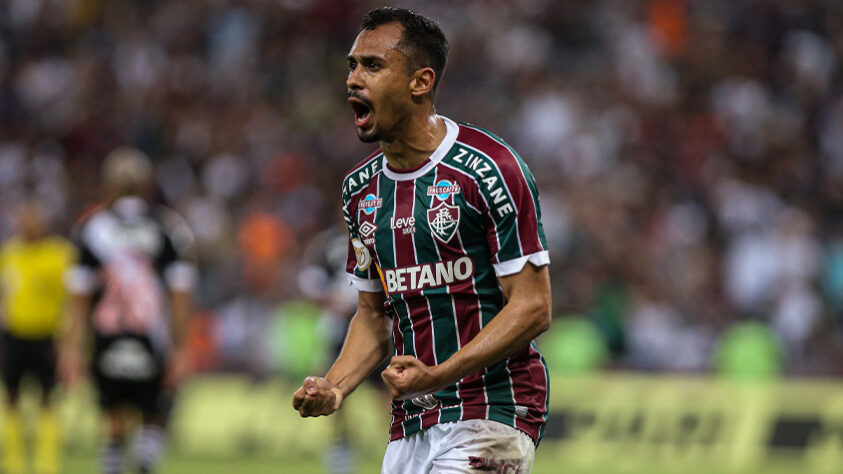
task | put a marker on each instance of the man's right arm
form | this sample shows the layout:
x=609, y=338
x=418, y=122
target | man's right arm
x=367, y=344
x=81, y=282
x=70, y=364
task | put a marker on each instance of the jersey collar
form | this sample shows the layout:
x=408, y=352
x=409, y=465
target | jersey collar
x=435, y=157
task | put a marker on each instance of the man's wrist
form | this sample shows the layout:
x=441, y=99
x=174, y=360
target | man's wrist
x=445, y=373
x=336, y=384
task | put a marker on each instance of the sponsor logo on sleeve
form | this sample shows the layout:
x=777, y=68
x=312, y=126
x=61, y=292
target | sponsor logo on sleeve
x=444, y=220
x=367, y=231
x=369, y=203
x=364, y=258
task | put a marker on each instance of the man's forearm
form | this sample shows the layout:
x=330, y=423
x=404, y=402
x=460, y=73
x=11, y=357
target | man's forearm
x=180, y=309
x=73, y=336
x=366, y=346
x=522, y=319
x=506, y=333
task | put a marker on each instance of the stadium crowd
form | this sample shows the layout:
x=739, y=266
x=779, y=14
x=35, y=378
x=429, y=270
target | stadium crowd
x=689, y=154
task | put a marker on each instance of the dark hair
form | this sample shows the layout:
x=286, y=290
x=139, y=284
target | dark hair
x=422, y=39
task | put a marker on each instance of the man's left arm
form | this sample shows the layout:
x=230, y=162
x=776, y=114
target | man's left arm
x=180, y=364
x=525, y=316
x=181, y=277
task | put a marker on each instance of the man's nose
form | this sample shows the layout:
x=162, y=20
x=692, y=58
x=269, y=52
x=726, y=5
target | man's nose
x=354, y=81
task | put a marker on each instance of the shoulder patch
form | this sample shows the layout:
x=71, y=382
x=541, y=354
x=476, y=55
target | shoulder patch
x=364, y=258
x=362, y=175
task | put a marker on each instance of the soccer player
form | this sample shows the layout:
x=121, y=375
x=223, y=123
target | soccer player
x=449, y=258
x=33, y=264
x=133, y=288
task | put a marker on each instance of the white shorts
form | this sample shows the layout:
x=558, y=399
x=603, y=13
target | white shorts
x=471, y=446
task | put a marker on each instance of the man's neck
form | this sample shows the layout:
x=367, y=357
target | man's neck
x=421, y=137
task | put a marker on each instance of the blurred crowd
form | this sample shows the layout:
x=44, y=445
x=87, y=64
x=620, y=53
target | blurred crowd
x=689, y=155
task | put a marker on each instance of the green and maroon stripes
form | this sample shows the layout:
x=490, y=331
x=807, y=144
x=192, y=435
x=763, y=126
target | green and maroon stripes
x=387, y=253
x=526, y=370
x=525, y=173
x=447, y=317
x=500, y=224
x=464, y=304
x=417, y=305
x=405, y=256
x=528, y=235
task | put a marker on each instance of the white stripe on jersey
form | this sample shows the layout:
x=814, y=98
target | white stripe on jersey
x=403, y=404
x=448, y=291
x=512, y=266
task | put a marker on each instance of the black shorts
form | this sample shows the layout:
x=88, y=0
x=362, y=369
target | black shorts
x=128, y=372
x=36, y=357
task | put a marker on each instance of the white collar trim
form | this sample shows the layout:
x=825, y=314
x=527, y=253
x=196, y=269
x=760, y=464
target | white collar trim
x=450, y=138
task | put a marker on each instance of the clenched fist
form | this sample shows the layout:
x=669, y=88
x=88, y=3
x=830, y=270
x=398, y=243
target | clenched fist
x=407, y=377
x=317, y=397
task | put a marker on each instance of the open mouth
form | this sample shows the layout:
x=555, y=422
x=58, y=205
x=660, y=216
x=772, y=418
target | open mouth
x=362, y=111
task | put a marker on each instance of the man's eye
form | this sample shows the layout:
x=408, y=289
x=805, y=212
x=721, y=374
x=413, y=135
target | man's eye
x=352, y=66
x=373, y=66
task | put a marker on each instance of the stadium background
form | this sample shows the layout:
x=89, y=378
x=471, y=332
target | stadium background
x=689, y=155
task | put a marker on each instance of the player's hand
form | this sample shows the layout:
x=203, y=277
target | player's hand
x=178, y=368
x=407, y=377
x=317, y=397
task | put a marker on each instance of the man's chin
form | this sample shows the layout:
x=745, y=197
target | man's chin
x=367, y=136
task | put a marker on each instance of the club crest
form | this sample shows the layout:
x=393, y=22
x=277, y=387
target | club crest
x=428, y=402
x=444, y=220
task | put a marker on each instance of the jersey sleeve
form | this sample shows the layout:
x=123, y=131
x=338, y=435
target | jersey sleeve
x=514, y=229
x=360, y=269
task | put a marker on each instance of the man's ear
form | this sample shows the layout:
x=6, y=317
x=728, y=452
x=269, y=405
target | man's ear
x=422, y=82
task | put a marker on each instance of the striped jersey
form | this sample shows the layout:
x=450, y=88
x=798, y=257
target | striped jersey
x=435, y=238
x=131, y=255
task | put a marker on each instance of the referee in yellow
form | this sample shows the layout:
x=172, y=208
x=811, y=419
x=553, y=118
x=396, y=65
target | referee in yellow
x=33, y=264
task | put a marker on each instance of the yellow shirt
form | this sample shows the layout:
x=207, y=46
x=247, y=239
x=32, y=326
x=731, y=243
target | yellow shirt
x=32, y=285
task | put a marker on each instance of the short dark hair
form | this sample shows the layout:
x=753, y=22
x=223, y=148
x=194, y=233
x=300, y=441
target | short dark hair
x=422, y=38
